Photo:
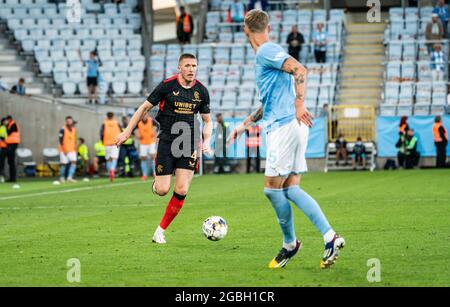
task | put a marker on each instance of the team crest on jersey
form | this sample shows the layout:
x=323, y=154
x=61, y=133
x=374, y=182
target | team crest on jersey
x=196, y=97
x=176, y=93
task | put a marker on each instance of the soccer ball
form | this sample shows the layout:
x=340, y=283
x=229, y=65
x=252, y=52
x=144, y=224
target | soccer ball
x=215, y=228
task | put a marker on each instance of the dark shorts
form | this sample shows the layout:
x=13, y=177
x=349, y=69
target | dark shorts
x=91, y=81
x=166, y=163
x=101, y=159
x=358, y=157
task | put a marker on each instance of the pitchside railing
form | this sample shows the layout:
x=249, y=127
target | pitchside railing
x=352, y=121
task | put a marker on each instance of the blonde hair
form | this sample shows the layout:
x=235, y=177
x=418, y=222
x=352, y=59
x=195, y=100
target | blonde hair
x=256, y=21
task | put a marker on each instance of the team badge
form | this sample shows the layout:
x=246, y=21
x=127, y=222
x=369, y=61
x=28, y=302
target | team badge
x=196, y=97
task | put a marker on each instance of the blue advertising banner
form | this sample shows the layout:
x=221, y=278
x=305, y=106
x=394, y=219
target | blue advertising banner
x=387, y=130
x=316, y=141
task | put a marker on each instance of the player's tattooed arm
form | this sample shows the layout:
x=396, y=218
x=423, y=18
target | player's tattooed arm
x=253, y=118
x=137, y=116
x=300, y=73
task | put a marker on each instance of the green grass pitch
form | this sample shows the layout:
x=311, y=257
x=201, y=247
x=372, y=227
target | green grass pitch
x=401, y=218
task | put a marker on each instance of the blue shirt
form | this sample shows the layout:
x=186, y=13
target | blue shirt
x=442, y=12
x=276, y=87
x=92, y=68
x=321, y=41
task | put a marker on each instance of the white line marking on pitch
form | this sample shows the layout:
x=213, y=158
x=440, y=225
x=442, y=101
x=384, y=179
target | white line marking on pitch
x=81, y=207
x=70, y=190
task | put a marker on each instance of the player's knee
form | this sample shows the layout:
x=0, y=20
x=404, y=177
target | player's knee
x=181, y=190
x=162, y=191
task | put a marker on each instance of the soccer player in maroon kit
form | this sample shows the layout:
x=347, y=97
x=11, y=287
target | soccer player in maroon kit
x=180, y=98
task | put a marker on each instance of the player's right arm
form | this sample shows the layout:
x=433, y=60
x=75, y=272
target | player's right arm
x=126, y=133
x=155, y=97
x=251, y=119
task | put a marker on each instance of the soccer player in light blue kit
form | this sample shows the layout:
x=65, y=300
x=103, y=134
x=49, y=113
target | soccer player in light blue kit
x=281, y=82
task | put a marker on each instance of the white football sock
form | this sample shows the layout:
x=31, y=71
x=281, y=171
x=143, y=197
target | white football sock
x=328, y=236
x=290, y=246
x=159, y=230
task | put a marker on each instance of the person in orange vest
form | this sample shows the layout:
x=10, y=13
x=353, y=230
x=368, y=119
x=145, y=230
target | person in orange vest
x=185, y=26
x=68, y=150
x=147, y=145
x=253, y=145
x=109, y=131
x=3, y=147
x=440, y=136
x=12, y=141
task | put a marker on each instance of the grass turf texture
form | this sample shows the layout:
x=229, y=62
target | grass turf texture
x=402, y=218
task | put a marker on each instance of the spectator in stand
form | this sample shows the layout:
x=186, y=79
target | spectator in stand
x=412, y=156
x=325, y=112
x=341, y=149
x=320, y=40
x=438, y=63
x=295, y=40
x=185, y=26
x=442, y=10
x=19, y=88
x=434, y=32
x=359, y=154
x=259, y=4
x=237, y=13
x=92, y=75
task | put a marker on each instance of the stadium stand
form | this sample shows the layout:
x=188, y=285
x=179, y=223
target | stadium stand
x=226, y=59
x=48, y=31
x=409, y=88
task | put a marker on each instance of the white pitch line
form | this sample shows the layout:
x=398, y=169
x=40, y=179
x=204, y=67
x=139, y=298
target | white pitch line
x=80, y=207
x=70, y=190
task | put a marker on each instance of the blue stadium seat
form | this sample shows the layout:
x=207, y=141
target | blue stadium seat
x=406, y=93
x=46, y=66
x=391, y=93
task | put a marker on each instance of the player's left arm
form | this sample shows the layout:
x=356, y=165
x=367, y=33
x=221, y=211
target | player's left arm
x=207, y=132
x=205, y=113
x=293, y=67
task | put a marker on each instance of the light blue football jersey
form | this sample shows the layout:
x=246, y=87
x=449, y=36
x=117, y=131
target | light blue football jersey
x=276, y=87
